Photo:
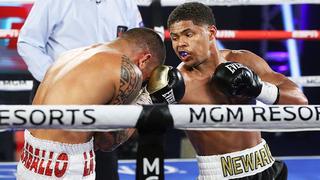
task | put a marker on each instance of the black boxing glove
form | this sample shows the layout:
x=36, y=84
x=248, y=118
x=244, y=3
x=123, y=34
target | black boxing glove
x=166, y=85
x=237, y=80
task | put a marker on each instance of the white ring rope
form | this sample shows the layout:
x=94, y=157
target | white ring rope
x=200, y=117
x=69, y=116
x=26, y=85
x=306, y=81
x=207, y=2
x=275, y=118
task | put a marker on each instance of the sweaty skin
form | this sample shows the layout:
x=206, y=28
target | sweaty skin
x=99, y=74
x=199, y=91
x=198, y=67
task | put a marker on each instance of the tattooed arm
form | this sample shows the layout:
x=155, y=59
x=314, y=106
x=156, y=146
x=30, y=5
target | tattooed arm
x=109, y=141
x=129, y=87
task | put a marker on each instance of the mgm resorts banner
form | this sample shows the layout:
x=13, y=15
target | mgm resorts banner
x=246, y=117
x=200, y=117
x=80, y=117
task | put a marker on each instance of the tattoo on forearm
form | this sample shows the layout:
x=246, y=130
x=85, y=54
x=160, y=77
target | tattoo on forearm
x=130, y=82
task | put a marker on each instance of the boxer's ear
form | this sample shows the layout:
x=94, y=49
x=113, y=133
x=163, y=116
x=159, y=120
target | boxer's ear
x=143, y=60
x=213, y=32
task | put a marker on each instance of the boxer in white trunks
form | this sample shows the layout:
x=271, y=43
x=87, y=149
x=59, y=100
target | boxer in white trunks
x=110, y=73
x=215, y=76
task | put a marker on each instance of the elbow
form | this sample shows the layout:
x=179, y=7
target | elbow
x=294, y=97
x=300, y=98
x=20, y=48
x=303, y=100
x=105, y=145
x=23, y=46
x=109, y=141
x=107, y=148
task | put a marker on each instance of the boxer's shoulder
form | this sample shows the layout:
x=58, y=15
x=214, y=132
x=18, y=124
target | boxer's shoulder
x=244, y=57
x=236, y=55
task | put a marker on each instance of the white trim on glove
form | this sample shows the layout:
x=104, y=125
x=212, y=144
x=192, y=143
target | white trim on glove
x=269, y=93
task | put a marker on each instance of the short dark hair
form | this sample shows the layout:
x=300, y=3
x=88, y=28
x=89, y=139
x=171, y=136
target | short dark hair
x=198, y=13
x=147, y=38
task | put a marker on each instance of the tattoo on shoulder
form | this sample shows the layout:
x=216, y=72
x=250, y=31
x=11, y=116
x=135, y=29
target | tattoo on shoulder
x=130, y=82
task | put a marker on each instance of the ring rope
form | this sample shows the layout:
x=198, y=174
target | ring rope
x=263, y=35
x=88, y=118
x=226, y=34
x=207, y=2
x=272, y=118
x=306, y=81
x=26, y=85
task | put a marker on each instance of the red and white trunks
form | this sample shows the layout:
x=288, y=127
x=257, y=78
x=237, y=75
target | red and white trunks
x=43, y=159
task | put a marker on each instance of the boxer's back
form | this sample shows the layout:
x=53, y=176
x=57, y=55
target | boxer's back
x=77, y=77
x=199, y=91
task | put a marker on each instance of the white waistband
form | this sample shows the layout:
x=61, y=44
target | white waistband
x=236, y=164
x=57, y=147
x=44, y=159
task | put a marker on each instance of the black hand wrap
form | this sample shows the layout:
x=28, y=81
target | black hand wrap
x=237, y=80
x=166, y=85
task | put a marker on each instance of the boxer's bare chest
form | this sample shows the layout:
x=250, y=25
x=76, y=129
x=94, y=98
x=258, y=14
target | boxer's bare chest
x=200, y=90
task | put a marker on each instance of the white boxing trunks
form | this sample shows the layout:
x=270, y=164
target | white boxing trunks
x=238, y=164
x=43, y=159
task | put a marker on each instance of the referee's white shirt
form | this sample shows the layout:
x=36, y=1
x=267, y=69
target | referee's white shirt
x=55, y=26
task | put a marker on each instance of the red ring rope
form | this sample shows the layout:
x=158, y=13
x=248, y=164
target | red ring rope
x=227, y=34
x=263, y=34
